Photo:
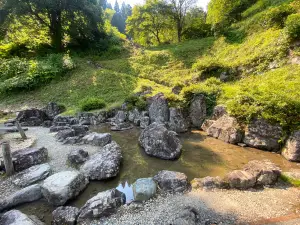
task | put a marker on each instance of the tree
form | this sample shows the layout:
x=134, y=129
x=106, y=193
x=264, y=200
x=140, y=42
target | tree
x=117, y=7
x=147, y=24
x=178, y=10
x=80, y=19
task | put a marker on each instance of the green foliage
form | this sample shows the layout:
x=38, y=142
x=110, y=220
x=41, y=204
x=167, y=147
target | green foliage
x=134, y=101
x=290, y=180
x=273, y=96
x=19, y=74
x=275, y=17
x=89, y=104
x=292, y=26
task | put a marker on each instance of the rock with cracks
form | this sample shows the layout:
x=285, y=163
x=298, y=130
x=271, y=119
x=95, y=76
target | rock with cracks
x=159, y=142
x=26, y=158
x=262, y=135
x=63, y=186
x=65, y=215
x=171, y=181
x=159, y=109
x=291, y=150
x=52, y=109
x=226, y=129
x=15, y=217
x=77, y=156
x=177, y=121
x=104, y=164
x=32, y=117
x=241, y=179
x=102, y=205
x=32, y=175
x=25, y=195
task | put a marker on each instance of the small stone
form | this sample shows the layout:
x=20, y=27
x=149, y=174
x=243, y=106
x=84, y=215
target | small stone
x=65, y=215
x=77, y=156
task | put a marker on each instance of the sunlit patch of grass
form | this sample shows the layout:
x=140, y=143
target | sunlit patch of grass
x=290, y=180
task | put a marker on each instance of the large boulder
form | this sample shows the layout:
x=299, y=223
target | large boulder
x=70, y=120
x=80, y=130
x=52, y=109
x=198, y=110
x=262, y=135
x=291, y=150
x=62, y=135
x=121, y=117
x=241, y=179
x=144, y=189
x=32, y=175
x=63, y=186
x=15, y=217
x=77, y=156
x=159, y=142
x=207, y=124
x=97, y=139
x=177, y=121
x=208, y=183
x=25, y=195
x=102, y=205
x=265, y=172
x=171, y=181
x=26, y=158
x=226, y=129
x=65, y=215
x=159, y=109
x=32, y=117
x=87, y=118
x=104, y=164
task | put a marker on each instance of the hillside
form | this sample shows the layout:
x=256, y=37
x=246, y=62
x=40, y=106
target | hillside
x=253, y=70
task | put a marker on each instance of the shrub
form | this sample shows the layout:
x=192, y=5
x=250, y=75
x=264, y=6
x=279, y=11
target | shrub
x=276, y=16
x=88, y=104
x=135, y=101
x=292, y=26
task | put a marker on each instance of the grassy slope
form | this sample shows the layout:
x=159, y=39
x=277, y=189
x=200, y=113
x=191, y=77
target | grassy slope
x=246, y=59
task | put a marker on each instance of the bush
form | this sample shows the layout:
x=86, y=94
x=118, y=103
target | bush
x=88, y=104
x=292, y=26
x=276, y=16
x=134, y=101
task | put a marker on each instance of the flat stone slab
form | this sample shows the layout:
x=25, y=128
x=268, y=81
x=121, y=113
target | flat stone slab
x=28, y=194
x=11, y=129
x=32, y=175
x=63, y=186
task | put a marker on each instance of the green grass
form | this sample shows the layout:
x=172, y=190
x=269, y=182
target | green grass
x=290, y=180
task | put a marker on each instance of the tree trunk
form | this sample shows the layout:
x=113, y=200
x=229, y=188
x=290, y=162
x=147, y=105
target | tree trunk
x=56, y=29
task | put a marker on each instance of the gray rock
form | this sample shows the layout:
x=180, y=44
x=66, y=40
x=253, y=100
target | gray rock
x=291, y=150
x=97, y=139
x=177, y=122
x=15, y=217
x=137, y=121
x=187, y=216
x=121, y=126
x=171, y=181
x=144, y=189
x=198, y=110
x=241, y=179
x=219, y=111
x=25, y=195
x=120, y=117
x=159, y=109
x=159, y=142
x=206, y=124
x=72, y=140
x=86, y=118
x=102, y=116
x=64, y=134
x=133, y=114
x=47, y=123
x=32, y=175
x=226, y=129
x=263, y=135
x=32, y=117
x=77, y=156
x=58, y=128
x=8, y=124
x=52, y=110
x=144, y=122
x=63, y=186
x=144, y=113
x=26, y=158
x=265, y=172
x=65, y=119
x=104, y=164
x=65, y=215
x=102, y=205
x=80, y=130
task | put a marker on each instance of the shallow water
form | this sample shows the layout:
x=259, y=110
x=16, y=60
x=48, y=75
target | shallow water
x=202, y=156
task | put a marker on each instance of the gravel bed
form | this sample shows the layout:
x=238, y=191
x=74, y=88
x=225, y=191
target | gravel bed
x=57, y=155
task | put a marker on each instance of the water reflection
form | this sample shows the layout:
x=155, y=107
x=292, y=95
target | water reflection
x=126, y=188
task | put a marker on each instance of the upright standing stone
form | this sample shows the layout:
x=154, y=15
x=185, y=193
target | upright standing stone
x=159, y=109
x=8, y=163
x=291, y=150
x=177, y=121
x=198, y=111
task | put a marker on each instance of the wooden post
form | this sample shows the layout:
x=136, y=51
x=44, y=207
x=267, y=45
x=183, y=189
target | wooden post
x=8, y=162
x=21, y=131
